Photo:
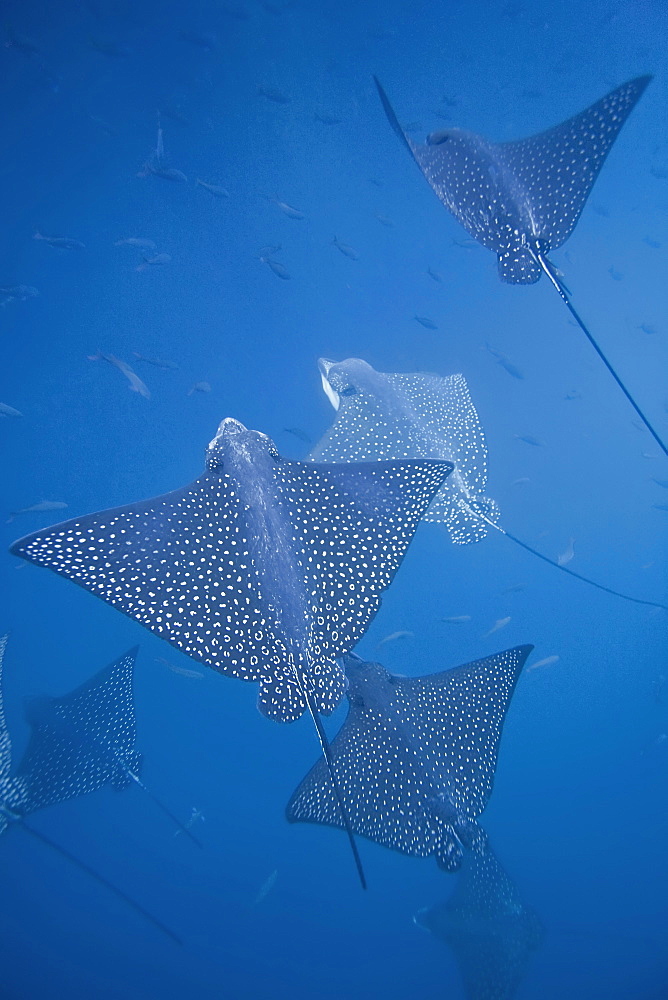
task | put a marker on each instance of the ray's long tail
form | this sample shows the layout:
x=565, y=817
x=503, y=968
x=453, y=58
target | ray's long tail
x=329, y=760
x=564, y=569
x=565, y=297
x=168, y=812
x=137, y=907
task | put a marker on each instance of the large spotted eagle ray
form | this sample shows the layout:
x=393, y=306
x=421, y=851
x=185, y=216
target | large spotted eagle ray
x=264, y=569
x=382, y=416
x=490, y=930
x=60, y=763
x=416, y=756
x=522, y=199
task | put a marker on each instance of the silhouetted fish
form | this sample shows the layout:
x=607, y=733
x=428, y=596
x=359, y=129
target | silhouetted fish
x=416, y=756
x=522, y=199
x=487, y=926
x=264, y=569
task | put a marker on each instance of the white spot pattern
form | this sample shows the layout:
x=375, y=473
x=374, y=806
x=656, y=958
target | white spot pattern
x=529, y=193
x=415, y=758
x=263, y=575
x=12, y=790
x=394, y=416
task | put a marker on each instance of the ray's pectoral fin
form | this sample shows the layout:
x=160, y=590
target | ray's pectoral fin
x=282, y=694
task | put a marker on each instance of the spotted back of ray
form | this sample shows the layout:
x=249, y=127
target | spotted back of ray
x=487, y=926
x=83, y=740
x=385, y=416
x=517, y=197
x=415, y=758
x=263, y=568
x=5, y=741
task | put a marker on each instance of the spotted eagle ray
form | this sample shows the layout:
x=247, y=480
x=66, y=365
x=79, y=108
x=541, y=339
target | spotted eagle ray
x=382, y=416
x=263, y=568
x=44, y=778
x=522, y=199
x=487, y=926
x=85, y=740
x=416, y=756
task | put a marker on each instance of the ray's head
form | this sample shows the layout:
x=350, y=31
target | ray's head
x=234, y=445
x=370, y=686
x=352, y=377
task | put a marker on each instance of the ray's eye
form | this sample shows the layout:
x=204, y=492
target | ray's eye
x=348, y=390
x=437, y=138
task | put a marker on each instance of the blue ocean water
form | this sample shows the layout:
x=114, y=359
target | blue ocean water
x=276, y=103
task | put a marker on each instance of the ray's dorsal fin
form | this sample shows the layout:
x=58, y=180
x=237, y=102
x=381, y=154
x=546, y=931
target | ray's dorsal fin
x=415, y=758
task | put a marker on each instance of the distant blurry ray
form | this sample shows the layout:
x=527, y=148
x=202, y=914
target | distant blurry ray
x=85, y=740
x=381, y=416
x=263, y=568
x=523, y=199
x=416, y=756
x=487, y=926
x=29, y=789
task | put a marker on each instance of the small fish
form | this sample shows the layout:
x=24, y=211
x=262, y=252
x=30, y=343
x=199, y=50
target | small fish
x=9, y=411
x=289, y=210
x=393, y=636
x=60, y=242
x=346, y=250
x=214, y=189
x=647, y=328
x=507, y=365
x=522, y=481
x=573, y=394
x=615, y=274
x=136, y=241
x=156, y=362
x=568, y=554
x=515, y=589
x=663, y=483
x=660, y=506
x=326, y=119
x=155, y=261
x=266, y=888
x=434, y=275
x=546, y=662
x=464, y=244
x=199, y=387
x=654, y=244
x=529, y=439
x=203, y=40
x=196, y=815
x=276, y=96
x=167, y=173
x=136, y=384
x=497, y=626
x=17, y=293
x=298, y=433
x=385, y=221
x=275, y=265
x=183, y=671
x=37, y=508
x=427, y=323
x=457, y=619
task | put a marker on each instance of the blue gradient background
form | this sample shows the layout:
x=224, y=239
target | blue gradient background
x=579, y=816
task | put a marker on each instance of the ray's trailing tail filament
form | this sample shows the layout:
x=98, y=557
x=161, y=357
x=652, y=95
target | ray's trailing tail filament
x=563, y=294
x=101, y=879
x=565, y=569
x=327, y=754
x=161, y=805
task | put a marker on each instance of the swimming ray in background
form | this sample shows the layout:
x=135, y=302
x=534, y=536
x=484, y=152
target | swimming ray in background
x=85, y=740
x=416, y=756
x=487, y=926
x=29, y=790
x=263, y=568
x=381, y=416
x=523, y=199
